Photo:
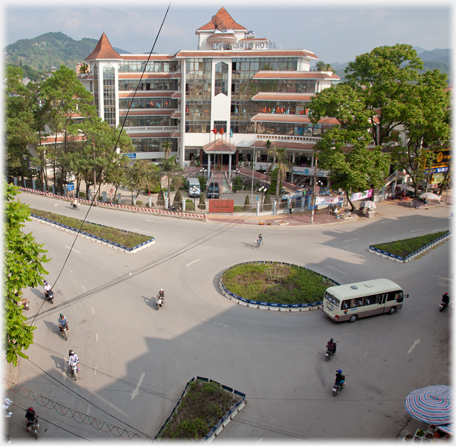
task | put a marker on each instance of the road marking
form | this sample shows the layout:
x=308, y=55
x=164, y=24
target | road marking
x=194, y=261
x=413, y=346
x=88, y=410
x=79, y=252
x=416, y=230
x=95, y=371
x=136, y=391
x=83, y=288
x=96, y=336
x=365, y=355
x=352, y=240
x=93, y=311
x=332, y=267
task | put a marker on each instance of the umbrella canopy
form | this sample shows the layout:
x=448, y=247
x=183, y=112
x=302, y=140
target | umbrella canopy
x=367, y=204
x=406, y=187
x=448, y=428
x=432, y=404
x=430, y=196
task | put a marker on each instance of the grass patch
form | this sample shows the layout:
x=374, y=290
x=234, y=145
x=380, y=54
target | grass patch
x=124, y=238
x=199, y=411
x=299, y=286
x=403, y=248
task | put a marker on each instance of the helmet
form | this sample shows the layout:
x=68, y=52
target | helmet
x=339, y=371
x=331, y=340
x=61, y=315
x=46, y=283
x=30, y=408
x=71, y=353
x=161, y=289
x=445, y=294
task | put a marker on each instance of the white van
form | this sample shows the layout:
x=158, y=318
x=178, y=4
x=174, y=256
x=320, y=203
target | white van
x=194, y=188
x=354, y=300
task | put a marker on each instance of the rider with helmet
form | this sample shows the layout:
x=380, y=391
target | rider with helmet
x=340, y=378
x=161, y=294
x=331, y=346
x=47, y=289
x=63, y=323
x=73, y=358
x=30, y=416
x=446, y=299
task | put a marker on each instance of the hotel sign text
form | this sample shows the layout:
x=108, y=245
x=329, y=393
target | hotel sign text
x=244, y=46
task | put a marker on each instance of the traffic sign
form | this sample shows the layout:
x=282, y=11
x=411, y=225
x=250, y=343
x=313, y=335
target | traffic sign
x=70, y=186
x=131, y=155
x=111, y=190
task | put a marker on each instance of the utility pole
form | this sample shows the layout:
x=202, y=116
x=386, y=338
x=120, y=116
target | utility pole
x=314, y=198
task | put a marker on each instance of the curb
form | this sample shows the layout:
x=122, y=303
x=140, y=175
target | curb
x=120, y=206
x=398, y=259
x=271, y=306
x=223, y=422
x=94, y=238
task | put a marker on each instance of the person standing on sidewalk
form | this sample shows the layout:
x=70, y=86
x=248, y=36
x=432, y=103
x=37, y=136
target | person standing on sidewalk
x=290, y=206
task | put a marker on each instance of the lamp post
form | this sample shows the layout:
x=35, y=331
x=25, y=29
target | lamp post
x=314, y=198
x=263, y=190
x=236, y=174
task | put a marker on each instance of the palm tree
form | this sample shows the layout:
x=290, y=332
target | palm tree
x=167, y=146
x=168, y=166
x=280, y=159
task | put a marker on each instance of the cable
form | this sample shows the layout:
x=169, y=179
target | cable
x=110, y=160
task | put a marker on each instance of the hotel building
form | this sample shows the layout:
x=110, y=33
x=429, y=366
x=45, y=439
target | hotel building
x=236, y=83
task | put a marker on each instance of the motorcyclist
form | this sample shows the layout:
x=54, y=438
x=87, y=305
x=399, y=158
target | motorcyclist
x=75, y=203
x=73, y=358
x=340, y=378
x=161, y=295
x=331, y=346
x=446, y=299
x=63, y=323
x=47, y=289
x=30, y=416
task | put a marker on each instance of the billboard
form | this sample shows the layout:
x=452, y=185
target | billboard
x=221, y=206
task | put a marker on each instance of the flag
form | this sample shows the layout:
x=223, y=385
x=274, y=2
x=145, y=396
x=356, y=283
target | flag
x=221, y=131
x=231, y=133
x=214, y=130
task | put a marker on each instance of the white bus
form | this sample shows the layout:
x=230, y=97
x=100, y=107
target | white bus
x=354, y=300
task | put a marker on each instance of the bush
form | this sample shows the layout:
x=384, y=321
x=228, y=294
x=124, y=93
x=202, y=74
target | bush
x=161, y=198
x=151, y=204
x=247, y=207
x=139, y=203
x=189, y=206
x=238, y=208
x=202, y=202
x=177, y=199
x=267, y=205
x=82, y=194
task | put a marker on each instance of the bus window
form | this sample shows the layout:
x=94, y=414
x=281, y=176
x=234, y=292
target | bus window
x=346, y=304
x=400, y=296
x=330, y=298
x=358, y=302
x=392, y=296
x=370, y=300
x=382, y=298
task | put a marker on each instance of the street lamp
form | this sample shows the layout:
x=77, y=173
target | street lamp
x=263, y=190
x=236, y=173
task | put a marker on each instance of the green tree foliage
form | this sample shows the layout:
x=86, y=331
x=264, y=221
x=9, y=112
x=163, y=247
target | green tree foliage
x=247, y=207
x=321, y=66
x=20, y=121
x=281, y=161
x=167, y=146
x=384, y=95
x=168, y=167
x=161, y=198
x=140, y=176
x=202, y=202
x=177, y=202
x=23, y=259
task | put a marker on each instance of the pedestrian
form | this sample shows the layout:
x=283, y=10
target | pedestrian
x=290, y=206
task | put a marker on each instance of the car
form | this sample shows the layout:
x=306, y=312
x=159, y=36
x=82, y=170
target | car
x=213, y=190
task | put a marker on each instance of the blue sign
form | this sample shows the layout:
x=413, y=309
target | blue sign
x=70, y=186
x=131, y=155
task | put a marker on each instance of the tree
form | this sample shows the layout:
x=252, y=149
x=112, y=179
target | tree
x=168, y=167
x=247, y=207
x=280, y=160
x=161, y=198
x=140, y=176
x=23, y=268
x=167, y=146
x=321, y=66
x=202, y=202
x=20, y=122
x=380, y=99
x=177, y=199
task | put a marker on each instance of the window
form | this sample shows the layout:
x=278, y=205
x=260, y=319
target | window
x=370, y=300
x=330, y=298
x=221, y=79
x=109, y=96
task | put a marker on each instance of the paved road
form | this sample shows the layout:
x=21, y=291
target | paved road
x=277, y=359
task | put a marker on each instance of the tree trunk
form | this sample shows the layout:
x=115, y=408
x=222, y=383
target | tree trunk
x=349, y=201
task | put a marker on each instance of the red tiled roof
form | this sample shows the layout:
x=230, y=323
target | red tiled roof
x=85, y=76
x=145, y=57
x=246, y=53
x=272, y=117
x=226, y=19
x=219, y=146
x=295, y=75
x=176, y=115
x=147, y=94
x=176, y=95
x=51, y=139
x=146, y=75
x=283, y=97
x=103, y=50
x=147, y=112
x=150, y=135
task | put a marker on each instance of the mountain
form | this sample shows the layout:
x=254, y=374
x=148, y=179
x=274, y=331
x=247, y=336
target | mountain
x=436, y=59
x=50, y=50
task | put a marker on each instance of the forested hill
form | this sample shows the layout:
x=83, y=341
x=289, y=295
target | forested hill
x=50, y=49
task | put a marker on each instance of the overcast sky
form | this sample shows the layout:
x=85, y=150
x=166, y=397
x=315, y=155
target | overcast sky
x=335, y=32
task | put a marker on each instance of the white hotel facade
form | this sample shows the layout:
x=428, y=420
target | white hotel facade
x=233, y=82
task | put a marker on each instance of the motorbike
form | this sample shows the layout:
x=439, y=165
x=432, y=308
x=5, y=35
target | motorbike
x=160, y=302
x=443, y=306
x=329, y=354
x=64, y=332
x=74, y=370
x=75, y=206
x=49, y=295
x=33, y=427
x=338, y=387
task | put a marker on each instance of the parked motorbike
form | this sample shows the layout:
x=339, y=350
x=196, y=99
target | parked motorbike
x=75, y=371
x=49, y=295
x=33, y=427
x=160, y=302
x=338, y=387
x=443, y=306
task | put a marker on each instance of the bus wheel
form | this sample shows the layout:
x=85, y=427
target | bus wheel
x=392, y=310
x=353, y=318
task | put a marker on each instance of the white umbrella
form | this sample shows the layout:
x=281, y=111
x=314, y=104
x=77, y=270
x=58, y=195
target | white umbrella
x=430, y=196
x=368, y=204
x=404, y=186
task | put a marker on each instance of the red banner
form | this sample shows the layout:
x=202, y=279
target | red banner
x=221, y=206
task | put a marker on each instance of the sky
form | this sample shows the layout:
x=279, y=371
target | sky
x=335, y=32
